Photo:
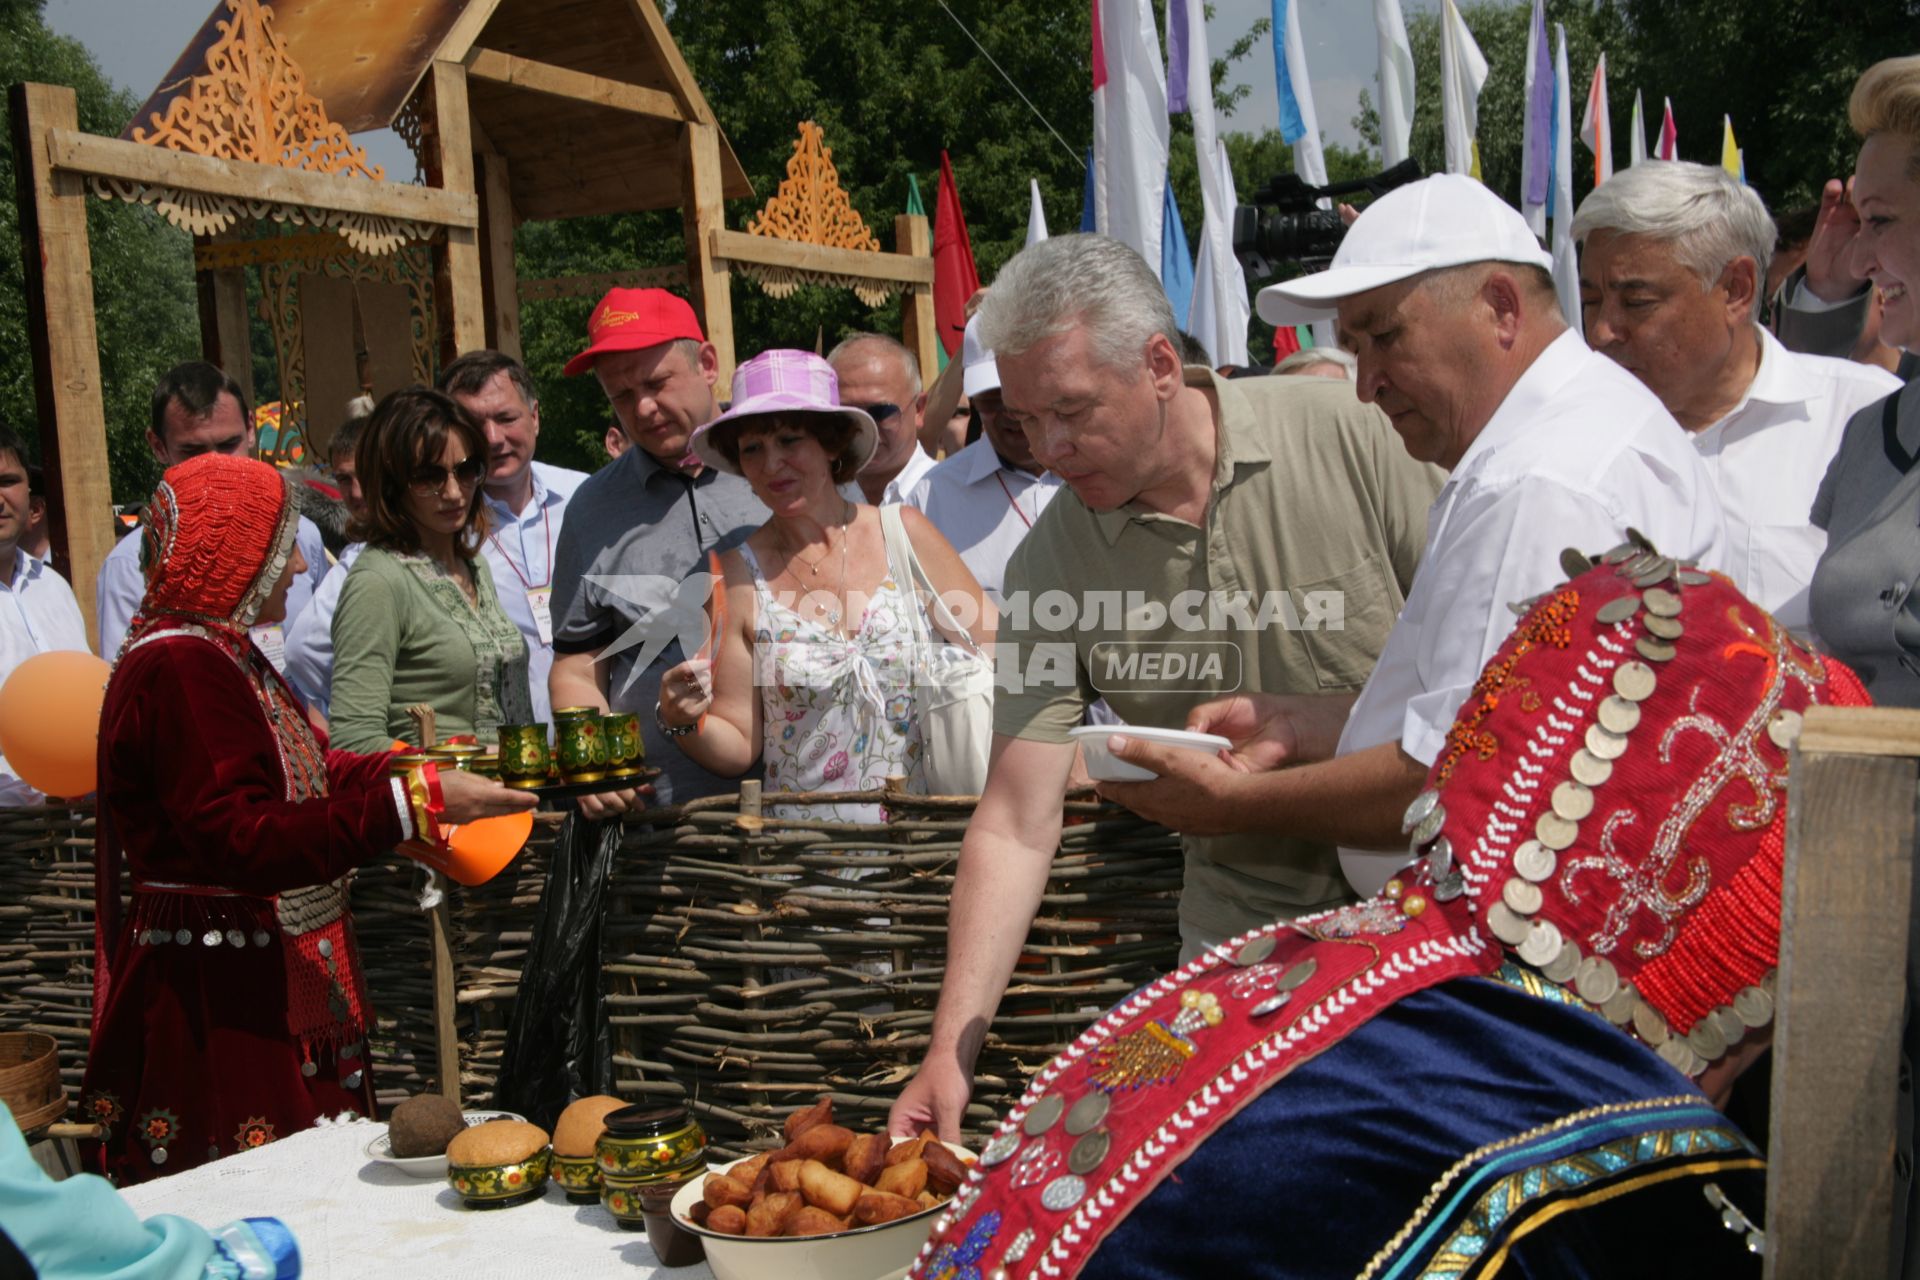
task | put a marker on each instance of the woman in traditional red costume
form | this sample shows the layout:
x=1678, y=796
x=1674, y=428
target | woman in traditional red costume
x=229, y=1007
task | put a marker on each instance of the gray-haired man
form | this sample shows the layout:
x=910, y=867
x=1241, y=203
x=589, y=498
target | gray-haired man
x=1672, y=261
x=1255, y=535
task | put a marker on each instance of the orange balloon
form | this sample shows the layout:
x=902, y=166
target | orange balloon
x=476, y=852
x=50, y=721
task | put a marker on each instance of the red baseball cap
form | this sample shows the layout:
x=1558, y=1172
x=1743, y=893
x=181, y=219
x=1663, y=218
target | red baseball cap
x=633, y=320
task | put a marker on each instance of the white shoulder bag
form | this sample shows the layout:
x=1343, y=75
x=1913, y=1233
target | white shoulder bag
x=953, y=683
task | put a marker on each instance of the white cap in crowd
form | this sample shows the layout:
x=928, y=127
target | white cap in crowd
x=1447, y=220
x=979, y=372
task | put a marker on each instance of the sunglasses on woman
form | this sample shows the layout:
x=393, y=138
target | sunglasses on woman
x=428, y=480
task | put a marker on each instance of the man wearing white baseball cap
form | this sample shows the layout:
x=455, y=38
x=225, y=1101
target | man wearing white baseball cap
x=1446, y=298
x=985, y=497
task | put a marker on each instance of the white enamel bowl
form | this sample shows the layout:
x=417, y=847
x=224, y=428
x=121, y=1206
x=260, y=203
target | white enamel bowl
x=1104, y=766
x=882, y=1252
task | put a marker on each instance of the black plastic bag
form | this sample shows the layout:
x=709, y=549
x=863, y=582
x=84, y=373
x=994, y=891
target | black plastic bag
x=558, y=1044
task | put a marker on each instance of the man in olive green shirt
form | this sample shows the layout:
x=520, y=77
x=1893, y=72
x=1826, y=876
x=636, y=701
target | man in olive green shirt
x=1220, y=537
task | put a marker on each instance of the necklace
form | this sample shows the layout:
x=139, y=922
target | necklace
x=829, y=614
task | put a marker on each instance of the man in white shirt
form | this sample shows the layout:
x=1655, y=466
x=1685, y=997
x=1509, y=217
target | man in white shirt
x=881, y=376
x=984, y=498
x=310, y=636
x=526, y=501
x=38, y=613
x=198, y=408
x=1671, y=266
x=1448, y=299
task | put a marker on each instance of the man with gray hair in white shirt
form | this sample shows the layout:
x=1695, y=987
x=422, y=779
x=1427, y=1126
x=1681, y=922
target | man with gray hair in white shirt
x=1672, y=272
x=984, y=498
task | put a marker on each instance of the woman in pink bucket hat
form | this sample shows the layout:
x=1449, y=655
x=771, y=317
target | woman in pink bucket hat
x=813, y=671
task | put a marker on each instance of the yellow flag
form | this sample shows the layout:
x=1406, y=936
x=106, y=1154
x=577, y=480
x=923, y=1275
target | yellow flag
x=1729, y=152
x=1474, y=171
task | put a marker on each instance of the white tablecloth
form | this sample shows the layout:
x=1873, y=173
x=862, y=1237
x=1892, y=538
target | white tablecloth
x=355, y=1217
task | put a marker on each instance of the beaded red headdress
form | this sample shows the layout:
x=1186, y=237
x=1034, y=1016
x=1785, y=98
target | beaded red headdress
x=217, y=535
x=1612, y=797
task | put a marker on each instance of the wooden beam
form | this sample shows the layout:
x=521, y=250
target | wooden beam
x=502, y=282
x=1861, y=731
x=134, y=162
x=224, y=337
x=575, y=86
x=454, y=134
x=912, y=237
x=685, y=88
x=703, y=214
x=466, y=29
x=1839, y=998
x=592, y=286
x=738, y=246
x=60, y=329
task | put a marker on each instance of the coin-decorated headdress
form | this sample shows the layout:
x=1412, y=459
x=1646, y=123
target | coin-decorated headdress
x=1609, y=809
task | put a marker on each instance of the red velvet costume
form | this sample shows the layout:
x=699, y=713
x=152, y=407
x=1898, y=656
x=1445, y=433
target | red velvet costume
x=229, y=1007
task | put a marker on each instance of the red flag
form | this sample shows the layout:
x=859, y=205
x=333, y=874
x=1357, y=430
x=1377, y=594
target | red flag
x=955, y=278
x=1286, y=341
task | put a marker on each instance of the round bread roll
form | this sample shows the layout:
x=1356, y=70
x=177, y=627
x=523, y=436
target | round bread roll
x=496, y=1142
x=423, y=1125
x=582, y=1123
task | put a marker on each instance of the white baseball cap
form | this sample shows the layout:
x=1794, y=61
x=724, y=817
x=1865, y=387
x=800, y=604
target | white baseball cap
x=979, y=371
x=1447, y=220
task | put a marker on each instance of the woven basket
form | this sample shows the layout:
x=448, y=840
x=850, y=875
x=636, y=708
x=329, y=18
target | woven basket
x=30, y=1079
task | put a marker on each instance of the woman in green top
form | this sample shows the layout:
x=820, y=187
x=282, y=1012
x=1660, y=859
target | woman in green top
x=418, y=621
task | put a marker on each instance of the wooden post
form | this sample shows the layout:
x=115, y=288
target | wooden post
x=224, y=337
x=703, y=210
x=60, y=327
x=454, y=134
x=1840, y=992
x=754, y=976
x=446, y=1030
x=912, y=236
x=497, y=221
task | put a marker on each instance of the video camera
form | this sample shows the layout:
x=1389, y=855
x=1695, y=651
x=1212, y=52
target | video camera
x=1297, y=230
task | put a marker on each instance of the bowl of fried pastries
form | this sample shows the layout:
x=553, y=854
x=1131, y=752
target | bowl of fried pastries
x=829, y=1205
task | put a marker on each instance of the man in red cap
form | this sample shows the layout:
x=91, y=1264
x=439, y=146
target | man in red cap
x=641, y=525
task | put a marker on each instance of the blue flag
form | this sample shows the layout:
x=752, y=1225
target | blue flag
x=1176, y=260
x=1292, y=125
x=1086, y=201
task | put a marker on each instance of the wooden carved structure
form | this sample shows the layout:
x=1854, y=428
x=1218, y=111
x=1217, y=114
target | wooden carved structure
x=515, y=110
x=810, y=233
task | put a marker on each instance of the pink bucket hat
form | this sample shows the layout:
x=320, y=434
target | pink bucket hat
x=786, y=381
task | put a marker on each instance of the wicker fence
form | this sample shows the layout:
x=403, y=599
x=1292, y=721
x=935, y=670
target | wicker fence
x=750, y=961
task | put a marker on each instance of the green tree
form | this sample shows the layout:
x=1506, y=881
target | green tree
x=891, y=91
x=143, y=297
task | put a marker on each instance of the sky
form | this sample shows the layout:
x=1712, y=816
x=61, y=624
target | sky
x=136, y=41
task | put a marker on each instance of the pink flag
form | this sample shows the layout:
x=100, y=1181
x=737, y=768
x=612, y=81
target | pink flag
x=1596, y=130
x=1669, y=148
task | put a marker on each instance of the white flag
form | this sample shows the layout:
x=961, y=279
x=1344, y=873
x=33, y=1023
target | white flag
x=1566, y=265
x=1036, y=216
x=1396, y=81
x=1462, y=74
x=1536, y=132
x=1129, y=127
x=1221, y=304
x=1637, y=139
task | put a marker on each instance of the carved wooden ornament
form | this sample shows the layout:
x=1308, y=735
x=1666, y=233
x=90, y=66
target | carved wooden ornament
x=811, y=208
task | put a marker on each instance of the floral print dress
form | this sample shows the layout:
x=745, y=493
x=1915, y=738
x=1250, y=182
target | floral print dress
x=837, y=711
